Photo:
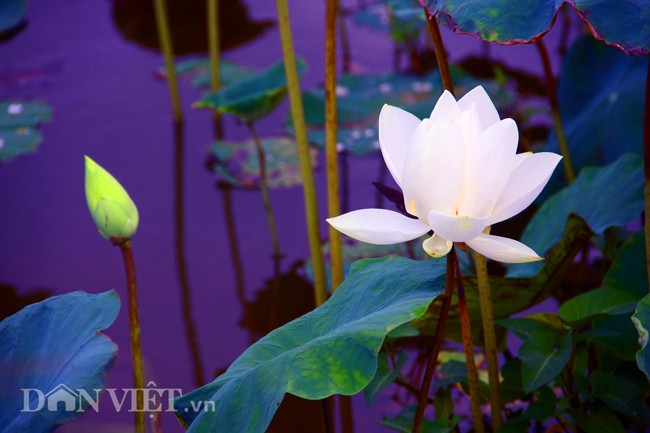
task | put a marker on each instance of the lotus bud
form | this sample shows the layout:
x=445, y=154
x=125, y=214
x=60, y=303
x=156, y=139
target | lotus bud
x=111, y=207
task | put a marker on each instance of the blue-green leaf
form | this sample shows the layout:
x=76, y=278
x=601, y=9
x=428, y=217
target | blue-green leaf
x=18, y=122
x=603, y=197
x=597, y=302
x=384, y=376
x=254, y=96
x=543, y=357
x=601, y=97
x=403, y=422
x=51, y=343
x=599, y=420
x=629, y=270
x=197, y=70
x=619, y=23
x=331, y=350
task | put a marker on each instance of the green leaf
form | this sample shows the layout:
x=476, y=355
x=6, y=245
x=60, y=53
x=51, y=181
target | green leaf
x=14, y=143
x=383, y=377
x=511, y=387
x=603, y=197
x=51, y=343
x=599, y=420
x=600, y=93
x=641, y=320
x=237, y=163
x=331, y=350
x=597, y=302
x=404, y=422
x=544, y=407
x=526, y=327
x=543, y=356
x=197, y=70
x=516, y=425
x=254, y=96
x=619, y=393
x=629, y=270
x=403, y=331
x=615, y=336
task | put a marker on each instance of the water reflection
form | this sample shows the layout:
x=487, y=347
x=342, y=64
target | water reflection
x=179, y=217
x=135, y=20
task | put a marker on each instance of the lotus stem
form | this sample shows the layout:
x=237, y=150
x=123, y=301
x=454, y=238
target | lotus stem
x=298, y=117
x=215, y=71
x=261, y=156
x=468, y=346
x=423, y=395
x=165, y=39
x=333, y=200
x=134, y=331
x=551, y=92
x=489, y=337
x=441, y=56
x=186, y=291
x=345, y=40
x=646, y=170
x=232, y=239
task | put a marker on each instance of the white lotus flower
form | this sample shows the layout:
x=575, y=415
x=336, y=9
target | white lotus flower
x=459, y=173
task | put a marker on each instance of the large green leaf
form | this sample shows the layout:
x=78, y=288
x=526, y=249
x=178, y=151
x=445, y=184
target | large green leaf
x=619, y=23
x=603, y=197
x=384, y=376
x=237, y=163
x=18, y=123
x=601, y=97
x=597, y=302
x=254, y=96
x=598, y=420
x=53, y=343
x=629, y=270
x=641, y=320
x=619, y=393
x=331, y=350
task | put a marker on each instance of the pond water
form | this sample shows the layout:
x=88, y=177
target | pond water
x=92, y=61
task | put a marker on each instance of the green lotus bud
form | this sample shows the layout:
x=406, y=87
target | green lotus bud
x=111, y=207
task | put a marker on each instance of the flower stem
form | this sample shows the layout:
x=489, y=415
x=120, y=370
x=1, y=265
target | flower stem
x=423, y=395
x=345, y=40
x=333, y=202
x=165, y=39
x=186, y=290
x=468, y=345
x=134, y=328
x=213, y=44
x=487, y=315
x=441, y=56
x=646, y=169
x=261, y=156
x=551, y=92
x=298, y=117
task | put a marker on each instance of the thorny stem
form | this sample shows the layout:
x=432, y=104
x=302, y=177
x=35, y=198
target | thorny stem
x=164, y=36
x=333, y=200
x=646, y=170
x=551, y=92
x=261, y=156
x=468, y=345
x=300, y=128
x=487, y=316
x=423, y=394
x=213, y=44
x=441, y=56
x=134, y=331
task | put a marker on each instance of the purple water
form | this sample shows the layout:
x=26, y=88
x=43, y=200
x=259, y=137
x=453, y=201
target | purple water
x=109, y=105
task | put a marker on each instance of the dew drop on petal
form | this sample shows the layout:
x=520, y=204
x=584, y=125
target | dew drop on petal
x=15, y=109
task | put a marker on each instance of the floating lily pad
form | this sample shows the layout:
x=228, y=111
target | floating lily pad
x=254, y=96
x=52, y=345
x=404, y=18
x=12, y=13
x=18, y=122
x=601, y=97
x=237, y=163
x=197, y=71
x=623, y=24
x=331, y=350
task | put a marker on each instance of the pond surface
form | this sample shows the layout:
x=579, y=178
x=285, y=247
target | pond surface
x=82, y=58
